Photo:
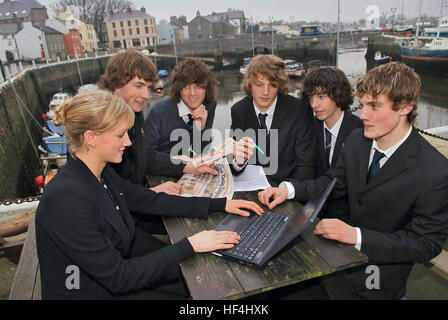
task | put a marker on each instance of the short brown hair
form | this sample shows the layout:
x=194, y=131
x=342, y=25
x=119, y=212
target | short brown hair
x=192, y=71
x=272, y=68
x=397, y=81
x=124, y=66
x=330, y=81
x=97, y=110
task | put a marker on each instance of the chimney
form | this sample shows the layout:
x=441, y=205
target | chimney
x=129, y=9
x=143, y=9
x=173, y=20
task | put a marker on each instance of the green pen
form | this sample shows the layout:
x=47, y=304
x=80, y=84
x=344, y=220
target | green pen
x=258, y=148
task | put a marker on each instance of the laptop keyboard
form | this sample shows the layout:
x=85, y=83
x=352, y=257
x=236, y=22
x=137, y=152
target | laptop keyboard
x=256, y=235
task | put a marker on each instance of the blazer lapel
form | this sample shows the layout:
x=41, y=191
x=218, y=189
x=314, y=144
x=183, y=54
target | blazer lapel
x=364, y=151
x=342, y=134
x=120, y=220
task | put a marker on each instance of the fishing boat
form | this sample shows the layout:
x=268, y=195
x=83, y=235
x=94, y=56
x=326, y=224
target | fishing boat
x=381, y=58
x=55, y=102
x=246, y=62
x=431, y=57
x=293, y=68
x=441, y=30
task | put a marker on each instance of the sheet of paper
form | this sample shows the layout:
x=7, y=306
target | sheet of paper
x=252, y=178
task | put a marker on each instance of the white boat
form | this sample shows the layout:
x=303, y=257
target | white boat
x=293, y=68
x=381, y=57
x=245, y=64
x=441, y=30
x=55, y=102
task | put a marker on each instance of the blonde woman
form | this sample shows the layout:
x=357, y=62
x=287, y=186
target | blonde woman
x=84, y=231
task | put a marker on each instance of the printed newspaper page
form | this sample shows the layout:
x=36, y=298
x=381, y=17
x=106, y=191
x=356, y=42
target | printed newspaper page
x=208, y=185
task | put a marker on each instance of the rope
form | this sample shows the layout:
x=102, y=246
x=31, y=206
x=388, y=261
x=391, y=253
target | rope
x=24, y=121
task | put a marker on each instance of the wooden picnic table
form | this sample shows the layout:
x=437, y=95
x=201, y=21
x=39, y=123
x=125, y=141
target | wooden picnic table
x=308, y=256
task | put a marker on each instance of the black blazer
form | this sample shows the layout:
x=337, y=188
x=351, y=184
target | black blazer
x=296, y=137
x=349, y=123
x=402, y=212
x=141, y=159
x=163, y=118
x=77, y=224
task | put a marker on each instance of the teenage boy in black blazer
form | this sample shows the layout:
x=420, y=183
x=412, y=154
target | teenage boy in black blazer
x=395, y=183
x=280, y=124
x=330, y=96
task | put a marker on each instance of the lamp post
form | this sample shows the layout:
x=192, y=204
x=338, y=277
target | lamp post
x=173, y=38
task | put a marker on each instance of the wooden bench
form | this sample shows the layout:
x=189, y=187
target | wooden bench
x=26, y=285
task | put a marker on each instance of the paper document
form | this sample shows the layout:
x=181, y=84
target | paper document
x=208, y=185
x=252, y=178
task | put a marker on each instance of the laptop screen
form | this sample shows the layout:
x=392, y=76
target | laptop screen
x=303, y=219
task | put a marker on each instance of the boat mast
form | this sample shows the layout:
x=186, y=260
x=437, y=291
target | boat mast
x=418, y=21
x=337, y=39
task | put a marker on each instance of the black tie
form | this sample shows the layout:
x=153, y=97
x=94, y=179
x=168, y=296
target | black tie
x=262, y=118
x=375, y=166
x=327, y=144
x=190, y=123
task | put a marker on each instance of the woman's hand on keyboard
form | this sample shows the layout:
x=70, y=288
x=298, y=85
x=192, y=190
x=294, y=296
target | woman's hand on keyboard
x=212, y=240
x=236, y=206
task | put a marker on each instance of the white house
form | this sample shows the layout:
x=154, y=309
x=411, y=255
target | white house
x=31, y=42
x=166, y=32
x=7, y=43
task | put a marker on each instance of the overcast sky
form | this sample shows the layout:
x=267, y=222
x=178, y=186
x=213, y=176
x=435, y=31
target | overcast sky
x=308, y=10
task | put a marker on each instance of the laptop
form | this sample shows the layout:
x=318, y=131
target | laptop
x=264, y=236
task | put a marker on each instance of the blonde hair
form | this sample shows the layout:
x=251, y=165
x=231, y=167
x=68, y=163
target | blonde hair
x=97, y=111
x=269, y=66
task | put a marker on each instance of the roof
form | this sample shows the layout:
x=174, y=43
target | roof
x=129, y=15
x=49, y=30
x=8, y=28
x=21, y=8
x=216, y=16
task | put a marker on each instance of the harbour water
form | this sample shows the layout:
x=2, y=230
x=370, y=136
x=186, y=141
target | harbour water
x=432, y=108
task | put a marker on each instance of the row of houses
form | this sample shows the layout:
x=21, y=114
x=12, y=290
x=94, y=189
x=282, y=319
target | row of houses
x=136, y=28
x=26, y=32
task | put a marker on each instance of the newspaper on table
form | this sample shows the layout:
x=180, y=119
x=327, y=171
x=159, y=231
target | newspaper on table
x=208, y=185
x=217, y=152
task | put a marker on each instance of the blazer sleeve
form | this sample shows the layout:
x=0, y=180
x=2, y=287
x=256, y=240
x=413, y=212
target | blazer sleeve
x=70, y=221
x=422, y=237
x=142, y=200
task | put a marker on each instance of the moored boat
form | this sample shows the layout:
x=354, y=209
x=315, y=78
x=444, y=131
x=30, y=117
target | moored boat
x=381, y=58
x=429, y=58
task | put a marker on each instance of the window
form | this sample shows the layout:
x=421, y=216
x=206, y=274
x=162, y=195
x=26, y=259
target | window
x=146, y=29
x=129, y=23
x=116, y=44
x=136, y=22
x=122, y=32
x=137, y=30
x=115, y=33
x=145, y=22
x=136, y=43
x=130, y=32
x=113, y=25
x=121, y=24
x=199, y=27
